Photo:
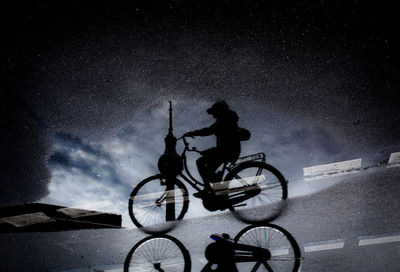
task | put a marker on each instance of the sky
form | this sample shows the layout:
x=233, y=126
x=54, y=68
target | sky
x=85, y=88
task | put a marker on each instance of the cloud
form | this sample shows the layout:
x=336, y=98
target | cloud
x=85, y=175
x=93, y=175
x=96, y=174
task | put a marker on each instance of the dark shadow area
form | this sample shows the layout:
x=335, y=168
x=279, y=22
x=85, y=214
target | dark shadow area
x=24, y=176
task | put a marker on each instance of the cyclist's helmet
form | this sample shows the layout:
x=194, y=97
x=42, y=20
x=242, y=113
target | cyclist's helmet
x=218, y=106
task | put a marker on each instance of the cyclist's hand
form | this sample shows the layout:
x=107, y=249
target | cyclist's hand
x=189, y=134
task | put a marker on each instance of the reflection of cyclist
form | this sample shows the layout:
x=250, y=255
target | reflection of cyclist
x=228, y=143
x=220, y=253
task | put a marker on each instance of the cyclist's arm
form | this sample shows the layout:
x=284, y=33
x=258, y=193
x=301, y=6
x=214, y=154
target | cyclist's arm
x=204, y=131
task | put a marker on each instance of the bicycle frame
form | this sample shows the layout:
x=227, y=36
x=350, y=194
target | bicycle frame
x=238, y=253
x=227, y=166
x=191, y=180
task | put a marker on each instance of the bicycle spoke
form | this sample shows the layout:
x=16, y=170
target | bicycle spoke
x=264, y=186
x=259, y=171
x=285, y=254
x=149, y=201
x=256, y=266
x=160, y=253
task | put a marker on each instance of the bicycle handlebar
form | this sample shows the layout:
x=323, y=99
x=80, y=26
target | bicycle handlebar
x=183, y=138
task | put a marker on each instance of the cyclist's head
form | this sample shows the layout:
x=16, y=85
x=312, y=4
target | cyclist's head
x=218, y=107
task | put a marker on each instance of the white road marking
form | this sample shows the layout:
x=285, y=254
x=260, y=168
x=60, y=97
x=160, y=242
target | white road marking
x=28, y=219
x=324, y=245
x=220, y=188
x=103, y=268
x=159, y=198
x=238, y=185
x=394, y=159
x=373, y=240
x=76, y=270
x=332, y=169
x=280, y=252
x=110, y=268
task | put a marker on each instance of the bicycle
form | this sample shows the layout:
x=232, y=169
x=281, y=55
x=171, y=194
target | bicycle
x=255, y=248
x=157, y=202
x=160, y=253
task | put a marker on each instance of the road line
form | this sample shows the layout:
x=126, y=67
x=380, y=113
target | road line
x=373, y=240
x=394, y=160
x=237, y=185
x=159, y=198
x=77, y=270
x=332, y=169
x=111, y=268
x=324, y=245
x=280, y=252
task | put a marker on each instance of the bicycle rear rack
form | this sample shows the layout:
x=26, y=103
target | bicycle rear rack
x=253, y=157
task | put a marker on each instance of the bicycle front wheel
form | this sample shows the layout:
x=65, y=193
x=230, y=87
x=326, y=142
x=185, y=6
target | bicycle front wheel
x=160, y=253
x=265, y=187
x=155, y=209
x=285, y=252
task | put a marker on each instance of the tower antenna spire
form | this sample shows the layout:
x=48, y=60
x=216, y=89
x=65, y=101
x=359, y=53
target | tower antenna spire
x=170, y=118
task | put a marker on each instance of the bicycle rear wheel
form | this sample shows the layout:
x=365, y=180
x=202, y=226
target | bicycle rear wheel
x=285, y=252
x=158, y=253
x=266, y=186
x=149, y=203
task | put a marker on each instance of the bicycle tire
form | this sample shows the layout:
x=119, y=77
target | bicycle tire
x=269, y=203
x=165, y=250
x=150, y=216
x=286, y=253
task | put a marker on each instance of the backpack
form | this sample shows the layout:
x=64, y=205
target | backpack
x=243, y=134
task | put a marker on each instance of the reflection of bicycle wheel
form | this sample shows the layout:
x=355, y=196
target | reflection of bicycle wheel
x=158, y=253
x=266, y=186
x=148, y=204
x=285, y=252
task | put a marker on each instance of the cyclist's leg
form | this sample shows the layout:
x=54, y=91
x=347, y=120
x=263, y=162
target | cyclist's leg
x=208, y=164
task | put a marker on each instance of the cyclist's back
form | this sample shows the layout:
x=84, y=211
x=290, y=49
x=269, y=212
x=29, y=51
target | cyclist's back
x=227, y=149
x=225, y=128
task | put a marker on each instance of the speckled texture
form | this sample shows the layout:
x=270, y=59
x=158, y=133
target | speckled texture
x=315, y=82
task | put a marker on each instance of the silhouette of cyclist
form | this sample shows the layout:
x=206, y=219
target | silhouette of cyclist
x=226, y=130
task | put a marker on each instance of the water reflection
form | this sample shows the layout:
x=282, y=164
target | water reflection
x=160, y=253
x=262, y=247
x=255, y=248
